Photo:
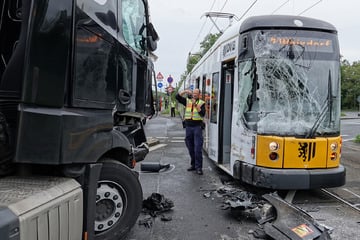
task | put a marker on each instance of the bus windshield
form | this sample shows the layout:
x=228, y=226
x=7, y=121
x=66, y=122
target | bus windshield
x=292, y=83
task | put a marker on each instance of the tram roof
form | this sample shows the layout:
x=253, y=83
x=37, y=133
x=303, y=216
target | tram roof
x=285, y=21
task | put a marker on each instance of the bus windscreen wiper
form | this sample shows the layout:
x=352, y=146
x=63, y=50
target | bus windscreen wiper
x=326, y=106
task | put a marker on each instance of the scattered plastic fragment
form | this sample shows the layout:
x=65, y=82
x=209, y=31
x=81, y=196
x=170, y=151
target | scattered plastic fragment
x=147, y=222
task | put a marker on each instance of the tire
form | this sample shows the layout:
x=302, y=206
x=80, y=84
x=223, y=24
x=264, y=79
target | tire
x=118, y=201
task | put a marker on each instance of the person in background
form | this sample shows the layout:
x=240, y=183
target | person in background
x=194, y=113
x=172, y=108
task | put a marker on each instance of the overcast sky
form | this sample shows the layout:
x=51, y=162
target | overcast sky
x=182, y=26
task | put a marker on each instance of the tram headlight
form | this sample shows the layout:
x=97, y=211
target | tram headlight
x=273, y=146
x=334, y=146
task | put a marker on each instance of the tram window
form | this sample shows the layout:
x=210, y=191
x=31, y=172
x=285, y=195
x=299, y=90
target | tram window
x=214, y=97
x=248, y=104
x=133, y=22
x=244, y=42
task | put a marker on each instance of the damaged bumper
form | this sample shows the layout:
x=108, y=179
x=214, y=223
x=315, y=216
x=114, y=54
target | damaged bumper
x=289, y=179
x=140, y=152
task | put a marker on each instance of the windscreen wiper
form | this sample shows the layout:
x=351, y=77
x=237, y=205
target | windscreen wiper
x=326, y=106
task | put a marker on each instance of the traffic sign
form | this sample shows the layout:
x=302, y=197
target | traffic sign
x=159, y=76
x=160, y=85
x=170, y=79
x=192, y=87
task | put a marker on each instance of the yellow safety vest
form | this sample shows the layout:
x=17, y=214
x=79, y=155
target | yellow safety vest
x=191, y=112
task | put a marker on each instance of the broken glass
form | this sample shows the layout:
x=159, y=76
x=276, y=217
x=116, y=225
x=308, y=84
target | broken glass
x=291, y=87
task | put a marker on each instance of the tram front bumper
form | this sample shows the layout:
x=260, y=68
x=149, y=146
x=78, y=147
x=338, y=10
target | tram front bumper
x=289, y=179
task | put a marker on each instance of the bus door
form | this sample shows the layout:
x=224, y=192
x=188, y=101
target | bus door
x=225, y=111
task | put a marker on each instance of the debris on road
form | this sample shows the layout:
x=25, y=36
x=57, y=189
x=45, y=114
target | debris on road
x=155, y=205
x=153, y=167
x=147, y=222
x=277, y=218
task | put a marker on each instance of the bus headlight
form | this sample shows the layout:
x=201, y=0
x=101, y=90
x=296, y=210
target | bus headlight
x=273, y=146
x=333, y=156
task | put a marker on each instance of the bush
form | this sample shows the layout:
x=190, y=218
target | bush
x=357, y=139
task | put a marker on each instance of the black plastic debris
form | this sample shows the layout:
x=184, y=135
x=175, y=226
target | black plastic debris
x=156, y=204
x=166, y=218
x=292, y=222
x=147, y=222
x=153, y=167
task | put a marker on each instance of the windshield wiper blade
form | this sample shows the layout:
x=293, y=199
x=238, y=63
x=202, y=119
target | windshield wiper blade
x=326, y=106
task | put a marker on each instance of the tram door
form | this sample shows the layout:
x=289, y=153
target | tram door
x=225, y=111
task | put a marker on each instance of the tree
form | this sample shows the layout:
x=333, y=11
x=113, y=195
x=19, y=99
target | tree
x=350, y=84
x=205, y=45
x=208, y=42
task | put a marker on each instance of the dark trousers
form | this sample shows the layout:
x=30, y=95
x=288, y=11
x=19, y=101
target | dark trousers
x=172, y=112
x=194, y=142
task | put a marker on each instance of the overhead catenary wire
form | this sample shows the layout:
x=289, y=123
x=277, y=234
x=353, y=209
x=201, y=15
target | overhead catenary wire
x=201, y=29
x=307, y=9
x=277, y=9
x=247, y=10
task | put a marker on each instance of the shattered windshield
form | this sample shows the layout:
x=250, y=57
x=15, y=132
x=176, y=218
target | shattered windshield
x=291, y=84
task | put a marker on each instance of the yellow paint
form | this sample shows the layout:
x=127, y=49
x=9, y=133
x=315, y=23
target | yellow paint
x=263, y=151
x=305, y=153
x=298, y=153
x=336, y=162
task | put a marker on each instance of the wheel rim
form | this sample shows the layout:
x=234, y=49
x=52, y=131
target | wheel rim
x=110, y=199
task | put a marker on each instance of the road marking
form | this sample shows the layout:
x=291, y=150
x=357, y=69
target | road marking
x=345, y=189
x=178, y=138
x=177, y=141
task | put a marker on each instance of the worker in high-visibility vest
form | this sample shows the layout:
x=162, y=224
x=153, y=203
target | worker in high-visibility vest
x=194, y=113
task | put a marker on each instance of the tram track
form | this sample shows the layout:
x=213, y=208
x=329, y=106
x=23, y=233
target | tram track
x=343, y=200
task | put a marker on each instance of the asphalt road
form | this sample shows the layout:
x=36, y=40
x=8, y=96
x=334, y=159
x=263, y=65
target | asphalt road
x=198, y=210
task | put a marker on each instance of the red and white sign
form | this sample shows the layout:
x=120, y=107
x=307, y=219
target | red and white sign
x=159, y=76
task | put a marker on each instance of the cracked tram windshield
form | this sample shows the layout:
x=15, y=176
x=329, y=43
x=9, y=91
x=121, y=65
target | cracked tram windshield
x=292, y=83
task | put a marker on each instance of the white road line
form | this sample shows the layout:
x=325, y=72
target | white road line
x=345, y=189
x=162, y=137
x=177, y=141
x=178, y=137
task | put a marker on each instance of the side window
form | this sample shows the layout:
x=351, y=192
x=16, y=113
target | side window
x=125, y=68
x=133, y=23
x=95, y=69
x=102, y=12
x=214, y=97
